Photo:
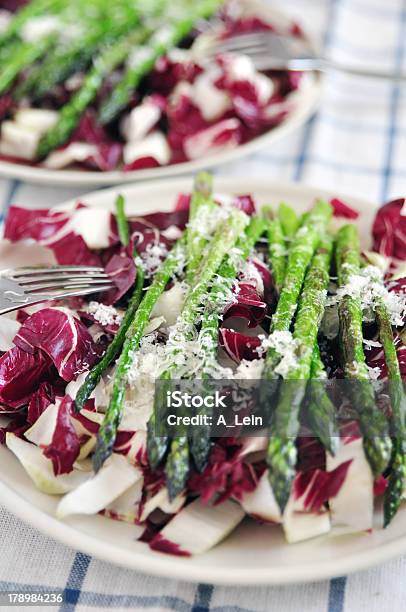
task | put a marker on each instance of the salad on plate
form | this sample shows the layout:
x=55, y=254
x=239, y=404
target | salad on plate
x=128, y=86
x=221, y=288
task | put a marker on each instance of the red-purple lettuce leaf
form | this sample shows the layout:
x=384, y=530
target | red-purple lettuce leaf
x=248, y=305
x=319, y=486
x=376, y=358
x=71, y=250
x=21, y=373
x=238, y=346
x=341, y=209
x=40, y=400
x=161, y=544
x=168, y=73
x=109, y=152
x=389, y=230
x=61, y=336
x=65, y=446
x=122, y=272
x=43, y=226
x=18, y=425
x=226, y=475
x=142, y=163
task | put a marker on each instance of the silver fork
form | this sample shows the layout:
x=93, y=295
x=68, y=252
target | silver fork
x=270, y=51
x=24, y=287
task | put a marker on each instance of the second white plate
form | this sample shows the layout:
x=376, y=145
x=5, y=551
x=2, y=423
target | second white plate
x=306, y=103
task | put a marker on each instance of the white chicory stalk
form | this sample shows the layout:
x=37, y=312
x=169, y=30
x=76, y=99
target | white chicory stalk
x=352, y=508
x=113, y=479
x=40, y=469
x=198, y=527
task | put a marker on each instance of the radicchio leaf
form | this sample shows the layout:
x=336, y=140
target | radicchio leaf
x=65, y=446
x=389, y=230
x=161, y=544
x=122, y=271
x=221, y=136
x=248, y=305
x=20, y=375
x=46, y=228
x=225, y=476
x=376, y=358
x=239, y=346
x=142, y=163
x=168, y=73
x=18, y=426
x=380, y=485
x=319, y=486
x=245, y=203
x=39, y=402
x=107, y=154
x=341, y=209
x=71, y=250
x=61, y=336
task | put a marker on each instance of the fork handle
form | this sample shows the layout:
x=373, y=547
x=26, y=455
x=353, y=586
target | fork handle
x=326, y=65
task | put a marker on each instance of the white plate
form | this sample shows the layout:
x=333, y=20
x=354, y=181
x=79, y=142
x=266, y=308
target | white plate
x=253, y=554
x=307, y=102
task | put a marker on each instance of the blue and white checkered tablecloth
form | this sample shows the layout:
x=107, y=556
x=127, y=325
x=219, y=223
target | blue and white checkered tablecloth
x=357, y=144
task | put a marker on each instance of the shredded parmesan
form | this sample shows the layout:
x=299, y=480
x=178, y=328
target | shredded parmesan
x=285, y=346
x=369, y=344
x=105, y=315
x=249, y=370
x=367, y=286
x=152, y=257
x=374, y=373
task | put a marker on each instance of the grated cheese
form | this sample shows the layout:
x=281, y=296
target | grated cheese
x=374, y=373
x=249, y=370
x=369, y=344
x=285, y=346
x=152, y=257
x=105, y=315
x=368, y=287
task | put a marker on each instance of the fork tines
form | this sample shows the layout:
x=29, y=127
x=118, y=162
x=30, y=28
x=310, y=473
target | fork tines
x=57, y=278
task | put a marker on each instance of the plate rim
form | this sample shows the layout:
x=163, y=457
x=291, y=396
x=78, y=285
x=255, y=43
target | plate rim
x=167, y=566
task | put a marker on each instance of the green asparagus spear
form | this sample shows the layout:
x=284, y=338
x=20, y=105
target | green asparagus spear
x=103, y=26
x=286, y=416
x=288, y=219
x=394, y=492
x=223, y=240
x=277, y=248
x=70, y=114
x=25, y=54
x=195, y=243
x=201, y=205
x=144, y=58
x=396, y=482
x=35, y=8
x=122, y=223
x=113, y=350
x=303, y=246
x=320, y=410
x=377, y=444
x=108, y=429
x=228, y=271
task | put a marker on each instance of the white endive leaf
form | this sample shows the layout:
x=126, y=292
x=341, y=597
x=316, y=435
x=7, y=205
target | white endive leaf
x=116, y=476
x=40, y=469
